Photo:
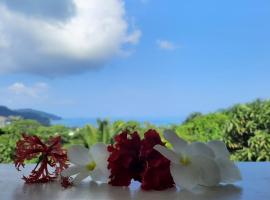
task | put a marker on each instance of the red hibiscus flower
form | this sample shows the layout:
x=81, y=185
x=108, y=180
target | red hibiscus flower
x=156, y=175
x=133, y=158
x=49, y=154
x=124, y=161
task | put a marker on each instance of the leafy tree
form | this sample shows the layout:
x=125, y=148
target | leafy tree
x=192, y=116
x=12, y=135
x=258, y=148
x=245, y=120
x=204, y=128
x=7, y=147
x=245, y=129
x=22, y=126
x=47, y=131
x=13, y=132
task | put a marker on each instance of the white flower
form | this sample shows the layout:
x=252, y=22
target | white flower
x=86, y=163
x=198, y=163
x=229, y=172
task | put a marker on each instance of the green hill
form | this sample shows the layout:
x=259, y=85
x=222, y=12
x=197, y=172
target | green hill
x=40, y=116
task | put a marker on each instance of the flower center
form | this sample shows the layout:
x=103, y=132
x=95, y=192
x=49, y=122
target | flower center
x=91, y=166
x=185, y=160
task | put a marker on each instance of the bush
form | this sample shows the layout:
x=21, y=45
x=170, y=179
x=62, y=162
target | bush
x=18, y=127
x=245, y=128
x=192, y=116
x=245, y=120
x=258, y=148
x=7, y=147
x=203, y=128
x=13, y=132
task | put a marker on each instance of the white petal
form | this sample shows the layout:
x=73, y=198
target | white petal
x=199, y=148
x=167, y=153
x=209, y=169
x=100, y=155
x=219, y=148
x=178, y=143
x=82, y=175
x=186, y=177
x=71, y=171
x=229, y=171
x=98, y=175
x=79, y=155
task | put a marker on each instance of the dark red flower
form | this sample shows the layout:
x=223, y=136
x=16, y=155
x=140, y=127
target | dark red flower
x=124, y=160
x=156, y=175
x=49, y=154
x=66, y=182
x=133, y=158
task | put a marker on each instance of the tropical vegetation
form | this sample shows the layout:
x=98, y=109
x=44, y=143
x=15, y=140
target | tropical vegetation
x=245, y=129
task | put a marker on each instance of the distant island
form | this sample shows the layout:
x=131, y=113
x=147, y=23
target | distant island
x=7, y=114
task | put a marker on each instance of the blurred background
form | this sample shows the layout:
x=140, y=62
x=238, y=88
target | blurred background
x=87, y=70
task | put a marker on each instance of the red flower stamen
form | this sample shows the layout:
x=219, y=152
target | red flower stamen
x=49, y=154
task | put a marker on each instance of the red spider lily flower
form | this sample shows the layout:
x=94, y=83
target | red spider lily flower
x=50, y=154
x=133, y=158
x=124, y=160
x=156, y=175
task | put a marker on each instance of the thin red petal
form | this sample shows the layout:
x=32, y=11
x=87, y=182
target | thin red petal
x=48, y=154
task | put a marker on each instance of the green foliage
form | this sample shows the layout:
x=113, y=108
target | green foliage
x=7, y=147
x=192, y=116
x=105, y=131
x=258, y=148
x=90, y=135
x=2, y=132
x=203, y=128
x=47, y=131
x=119, y=126
x=12, y=135
x=13, y=132
x=244, y=128
x=18, y=127
x=245, y=120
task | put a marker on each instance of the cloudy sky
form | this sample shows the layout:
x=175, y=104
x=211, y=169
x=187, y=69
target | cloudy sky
x=133, y=58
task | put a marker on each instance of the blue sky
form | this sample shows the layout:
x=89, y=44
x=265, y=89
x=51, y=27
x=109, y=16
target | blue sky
x=160, y=59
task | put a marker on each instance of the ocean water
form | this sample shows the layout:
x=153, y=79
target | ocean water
x=80, y=122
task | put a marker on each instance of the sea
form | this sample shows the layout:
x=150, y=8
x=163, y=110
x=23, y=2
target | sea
x=80, y=122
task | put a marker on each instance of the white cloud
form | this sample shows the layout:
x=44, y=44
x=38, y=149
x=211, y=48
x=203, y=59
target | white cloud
x=166, y=45
x=37, y=90
x=134, y=37
x=88, y=39
x=37, y=95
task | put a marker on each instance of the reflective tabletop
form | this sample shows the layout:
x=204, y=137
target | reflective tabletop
x=255, y=185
